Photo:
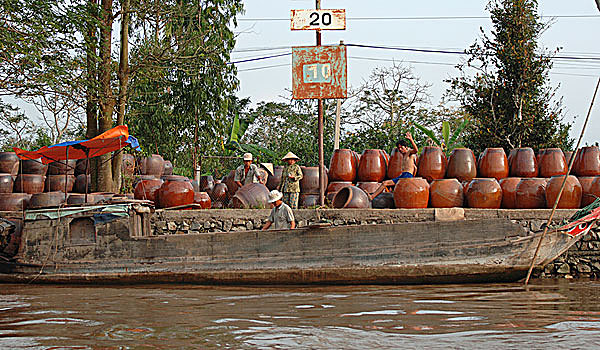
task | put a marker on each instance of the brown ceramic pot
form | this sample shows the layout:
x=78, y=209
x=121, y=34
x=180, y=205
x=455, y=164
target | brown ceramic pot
x=175, y=191
x=484, y=193
x=6, y=183
x=343, y=165
x=385, y=200
x=446, y=193
x=411, y=192
x=203, y=199
x=153, y=165
x=167, y=168
x=461, y=165
x=62, y=167
x=351, y=197
x=309, y=200
x=274, y=180
x=587, y=161
x=593, y=191
x=9, y=163
x=14, y=201
x=587, y=197
x=552, y=162
x=219, y=195
x=59, y=183
x=206, y=184
x=571, y=195
x=146, y=189
x=509, y=191
x=432, y=164
x=232, y=187
x=523, y=163
x=493, y=163
x=33, y=166
x=80, y=199
x=310, y=180
x=369, y=187
x=80, y=181
x=128, y=165
x=47, y=200
x=395, y=164
x=29, y=183
x=372, y=166
x=251, y=196
x=334, y=188
x=531, y=193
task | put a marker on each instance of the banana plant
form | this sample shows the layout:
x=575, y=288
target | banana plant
x=238, y=128
x=448, y=142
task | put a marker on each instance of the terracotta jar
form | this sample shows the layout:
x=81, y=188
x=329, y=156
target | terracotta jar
x=372, y=166
x=343, y=165
x=167, y=168
x=571, y=195
x=310, y=180
x=493, y=163
x=62, y=167
x=80, y=181
x=128, y=164
x=432, y=164
x=6, y=183
x=47, y=200
x=484, y=193
x=523, y=163
x=395, y=164
x=509, y=192
x=153, y=165
x=552, y=162
x=309, y=200
x=594, y=190
x=411, y=192
x=32, y=166
x=334, y=188
x=29, y=183
x=587, y=161
x=203, y=199
x=251, y=196
x=568, y=155
x=351, y=197
x=274, y=180
x=219, y=195
x=531, y=193
x=59, y=183
x=9, y=163
x=461, y=165
x=385, y=200
x=81, y=166
x=146, y=189
x=369, y=187
x=206, y=184
x=14, y=201
x=80, y=198
x=175, y=192
x=232, y=187
x=587, y=197
x=446, y=193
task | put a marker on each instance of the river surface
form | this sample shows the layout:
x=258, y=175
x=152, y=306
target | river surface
x=550, y=315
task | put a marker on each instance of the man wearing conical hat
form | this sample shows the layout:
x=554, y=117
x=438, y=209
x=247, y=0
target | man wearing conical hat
x=290, y=180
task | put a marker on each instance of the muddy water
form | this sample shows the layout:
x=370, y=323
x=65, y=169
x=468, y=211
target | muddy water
x=555, y=314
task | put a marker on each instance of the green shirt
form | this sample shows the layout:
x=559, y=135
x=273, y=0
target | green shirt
x=281, y=217
x=291, y=184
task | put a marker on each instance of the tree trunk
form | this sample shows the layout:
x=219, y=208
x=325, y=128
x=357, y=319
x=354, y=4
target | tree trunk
x=91, y=109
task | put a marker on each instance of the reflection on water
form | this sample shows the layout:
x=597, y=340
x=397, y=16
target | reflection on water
x=550, y=314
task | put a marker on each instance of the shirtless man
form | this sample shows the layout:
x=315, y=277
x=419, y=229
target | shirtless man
x=409, y=163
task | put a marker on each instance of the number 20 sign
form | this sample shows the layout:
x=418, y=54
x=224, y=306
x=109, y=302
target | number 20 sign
x=318, y=19
x=319, y=72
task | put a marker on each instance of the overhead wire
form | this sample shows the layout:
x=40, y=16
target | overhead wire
x=410, y=18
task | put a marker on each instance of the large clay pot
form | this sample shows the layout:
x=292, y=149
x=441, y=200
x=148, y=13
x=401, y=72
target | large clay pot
x=33, y=166
x=385, y=200
x=446, y=193
x=206, y=184
x=351, y=197
x=523, y=163
x=571, y=195
x=175, y=192
x=251, y=196
x=461, y=165
x=47, y=200
x=552, y=162
x=493, y=163
x=9, y=163
x=146, y=189
x=369, y=187
x=128, y=164
x=343, y=165
x=531, y=193
x=509, y=192
x=484, y=193
x=334, y=188
x=153, y=165
x=57, y=183
x=29, y=183
x=219, y=195
x=310, y=180
x=411, y=192
x=309, y=200
x=81, y=166
x=6, y=183
x=432, y=164
x=14, y=201
x=80, y=181
x=167, y=168
x=203, y=199
x=395, y=164
x=593, y=191
x=232, y=187
x=62, y=167
x=80, y=199
x=274, y=180
x=587, y=197
x=587, y=161
x=372, y=166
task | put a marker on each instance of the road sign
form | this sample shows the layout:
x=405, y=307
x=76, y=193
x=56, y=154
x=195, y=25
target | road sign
x=318, y=19
x=319, y=72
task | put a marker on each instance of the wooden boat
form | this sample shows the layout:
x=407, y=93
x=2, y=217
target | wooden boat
x=116, y=244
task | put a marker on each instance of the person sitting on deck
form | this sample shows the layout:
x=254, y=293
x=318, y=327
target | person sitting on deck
x=409, y=163
x=281, y=214
x=246, y=173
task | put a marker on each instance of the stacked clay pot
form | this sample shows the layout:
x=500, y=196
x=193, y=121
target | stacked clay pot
x=6, y=183
x=334, y=188
x=14, y=201
x=9, y=163
x=175, y=191
x=47, y=200
x=343, y=165
x=80, y=183
x=251, y=196
x=368, y=187
x=587, y=161
x=29, y=183
x=484, y=193
x=587, y=197
x=411, y=192
x=60, y=176
x=309, y=184
x=594, y=190
x=523, y=163
x=531, y=193
x=372, y=166
x=146, y=189
x=274, y=180
x=432, y=164
x=206, y=183
x=385, y=200
x=203, y=199
x=153, y=165
x=552, y=162
x=461, y=165
x=167, y=168
x=493, y=163
x=395, y=164
x=232, y=187
x=571, y=195
x=446, y=193
x=219, y=195
x=509, y=192
x=351, y=197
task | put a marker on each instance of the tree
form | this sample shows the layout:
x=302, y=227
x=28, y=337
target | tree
x=509, y=99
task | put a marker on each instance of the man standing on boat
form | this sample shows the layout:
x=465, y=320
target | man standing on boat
x=281, y=214
x=290, y=180
x=247, y=173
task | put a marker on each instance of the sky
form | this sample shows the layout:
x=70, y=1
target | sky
x=264, y=30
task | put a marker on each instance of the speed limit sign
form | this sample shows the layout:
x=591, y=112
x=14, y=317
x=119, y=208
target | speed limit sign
x=318, y=19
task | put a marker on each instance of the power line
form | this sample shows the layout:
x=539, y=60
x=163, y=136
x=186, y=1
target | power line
x=260, y=58
x=420, y=18
x=264, y=67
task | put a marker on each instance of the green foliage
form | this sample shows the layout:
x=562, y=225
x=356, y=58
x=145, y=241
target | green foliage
x=448, y=142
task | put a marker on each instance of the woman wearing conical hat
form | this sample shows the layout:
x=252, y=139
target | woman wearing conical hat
x=290, y=180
